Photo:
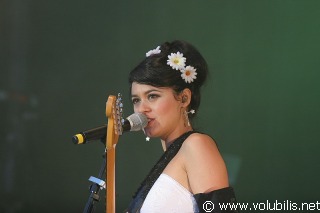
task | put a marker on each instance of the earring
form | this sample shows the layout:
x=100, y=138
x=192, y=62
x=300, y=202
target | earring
x=147, y=138
x=186, y=117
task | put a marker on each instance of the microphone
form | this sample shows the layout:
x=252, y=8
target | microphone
x=134, y=122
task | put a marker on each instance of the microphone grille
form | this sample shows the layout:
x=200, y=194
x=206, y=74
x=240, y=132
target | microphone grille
x=138, y=121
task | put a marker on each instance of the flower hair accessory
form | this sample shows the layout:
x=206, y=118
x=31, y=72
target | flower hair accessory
x=178, y=62
x=153, y=52
x=188, y=74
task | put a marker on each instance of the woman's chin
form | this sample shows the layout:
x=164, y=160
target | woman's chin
x=150, y=133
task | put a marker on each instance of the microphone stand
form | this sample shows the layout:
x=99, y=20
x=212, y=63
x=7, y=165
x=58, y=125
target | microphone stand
x=97, y=184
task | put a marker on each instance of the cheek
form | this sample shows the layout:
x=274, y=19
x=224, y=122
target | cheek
x=135, y=109
x=166, y=109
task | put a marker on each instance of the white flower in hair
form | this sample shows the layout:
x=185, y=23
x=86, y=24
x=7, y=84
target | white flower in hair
x=188, y=74
x=154, y=51
x=176, y=61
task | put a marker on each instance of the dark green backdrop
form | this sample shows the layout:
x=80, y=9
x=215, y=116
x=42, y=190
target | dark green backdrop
x=60, y=60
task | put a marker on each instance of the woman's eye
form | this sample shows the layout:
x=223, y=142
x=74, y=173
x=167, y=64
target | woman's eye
x=152, y=96
x=135, y=100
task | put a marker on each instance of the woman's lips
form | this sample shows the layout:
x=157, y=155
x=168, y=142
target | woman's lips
x=150, y=120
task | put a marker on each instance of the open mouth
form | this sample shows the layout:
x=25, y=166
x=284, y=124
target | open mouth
x=150, y=120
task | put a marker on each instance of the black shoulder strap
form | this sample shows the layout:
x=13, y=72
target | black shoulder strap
x=217, y=201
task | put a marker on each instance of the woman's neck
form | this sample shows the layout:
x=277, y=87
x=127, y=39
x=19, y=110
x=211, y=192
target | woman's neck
x=169, y=140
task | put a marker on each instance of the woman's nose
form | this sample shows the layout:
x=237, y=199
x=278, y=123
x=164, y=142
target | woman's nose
x=144, y=106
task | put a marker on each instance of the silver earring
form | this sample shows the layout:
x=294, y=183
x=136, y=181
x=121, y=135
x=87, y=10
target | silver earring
x=186, y=117
x=147, y=138
x=192, y=111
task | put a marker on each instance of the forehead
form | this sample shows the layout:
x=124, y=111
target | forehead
x=139, y=89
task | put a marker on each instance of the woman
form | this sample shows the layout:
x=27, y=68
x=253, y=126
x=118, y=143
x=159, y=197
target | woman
x=165, y=86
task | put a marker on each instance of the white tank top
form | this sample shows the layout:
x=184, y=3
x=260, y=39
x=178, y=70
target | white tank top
x=169, y=196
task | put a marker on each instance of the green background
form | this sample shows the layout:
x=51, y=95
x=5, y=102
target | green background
x=60, y=60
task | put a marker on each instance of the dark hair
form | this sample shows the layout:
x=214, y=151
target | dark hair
x=154, y=71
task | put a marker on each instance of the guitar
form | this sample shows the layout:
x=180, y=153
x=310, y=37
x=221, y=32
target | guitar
x=115, y=120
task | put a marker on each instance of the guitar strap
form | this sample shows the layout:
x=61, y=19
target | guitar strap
x=155, y=172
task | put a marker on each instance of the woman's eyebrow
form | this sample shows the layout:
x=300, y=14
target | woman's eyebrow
x=146, y=92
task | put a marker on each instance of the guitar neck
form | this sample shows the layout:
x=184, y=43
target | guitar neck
x=110, y=183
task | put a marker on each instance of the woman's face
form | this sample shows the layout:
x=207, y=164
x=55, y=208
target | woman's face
x=162, y=109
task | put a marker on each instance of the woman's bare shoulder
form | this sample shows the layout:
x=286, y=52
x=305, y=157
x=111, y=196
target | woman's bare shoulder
x=198, y=141
x=203, y=163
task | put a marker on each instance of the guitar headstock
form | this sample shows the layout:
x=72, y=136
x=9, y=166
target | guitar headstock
x=114, y=111
x=118, y=115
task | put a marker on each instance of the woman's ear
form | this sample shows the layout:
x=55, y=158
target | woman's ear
x=186, y=97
